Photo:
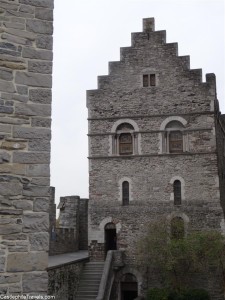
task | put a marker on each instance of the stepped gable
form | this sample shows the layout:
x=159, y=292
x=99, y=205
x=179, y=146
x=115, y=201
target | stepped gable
x=150, y=54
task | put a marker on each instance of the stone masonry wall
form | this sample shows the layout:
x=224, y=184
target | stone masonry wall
x=83, y=224
x=178, y=95
x=26, y=29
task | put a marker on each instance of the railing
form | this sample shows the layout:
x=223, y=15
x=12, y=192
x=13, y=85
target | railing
x=113, y=261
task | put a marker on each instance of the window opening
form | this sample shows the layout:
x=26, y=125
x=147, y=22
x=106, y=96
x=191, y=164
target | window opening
x=149, y=80
x=175, y=142
x=152, y=80
x=177, y=192
x=125, y=193
x=125, y=144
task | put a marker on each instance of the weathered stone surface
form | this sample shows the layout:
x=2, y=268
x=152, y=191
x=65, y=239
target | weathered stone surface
x=35, y=222
x=2, y=263
x=44, y=14
x=31, y=158
x=31, y=261
x=6, y=109
x=41, y=27
x=11, y=278
x=21, y=33
x=41, y=204
x=11, y=212
x=43, y=181
x=39, y=241
x=32, y=79
x=16, y=236
x=15, y=289
x=43, y=96
x=39, y=145
x=23, y=204
x=10, y=229
x=8, y=46
x=20, y=98
x=27, y=9
x=41, y=122
x=5, y=74
x=14, y=25
x=31, y=133
x=4, y=157
x=18, y=14
x=38, y=170
x=40, y=67
x=33, y=110
x=10, y=188
x=22, y=89
x=44, y=42
x=6, y=86
x=5, y=128
x=12, y=65
x=9, y=6
x=39, y=3
x=17, y=169
x=12, y=146
x=37, y=54
x=35, y=282
x=15, y=121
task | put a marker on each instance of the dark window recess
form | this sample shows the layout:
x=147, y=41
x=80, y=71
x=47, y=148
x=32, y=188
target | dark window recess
x=152, y=79
x=177, y=192
x=177, y=228
x=125, y=193
x=125, y=144
x=149, y=80
x=175, y=142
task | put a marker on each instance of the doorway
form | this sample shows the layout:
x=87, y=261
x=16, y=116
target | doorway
x=110, y=237
x=128, y=287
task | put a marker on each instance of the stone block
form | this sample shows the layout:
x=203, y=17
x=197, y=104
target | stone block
x=6, y=109
x=37, y=54
x=27, y=9
x=6, y=86
x=42, y=96
x=22, y=89
x=39, y=145
x=16, y=169
x=44, y=42
x=15, y=237
x=44, y=14
x=4, y=157
x=31, y=158
x=41, y=122
x=10, y=188
x=5, y=128
x=38, y=170
x=40, y=27
x=43, y=181
x=10, y=278
x=14, y=25
x=35, y=282
x=20, y=33
x=33, y=109
x=9, y=6
x=20, y=98
x=41, y=204
x=15, y=289
x=31, y=133
x=35, y=222
x=39, y=241
x=12, y=145
x=44, y=67
x=12, y=65
x=2, y=263
x=23, y=204
x=6, y=74
x=33, y=79
x=38, y=3
x=25, y=262
x=10, y=229
x=37, y=191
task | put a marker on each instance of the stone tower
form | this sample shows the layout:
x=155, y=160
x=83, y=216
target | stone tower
x=26, y=28
x=156, y=146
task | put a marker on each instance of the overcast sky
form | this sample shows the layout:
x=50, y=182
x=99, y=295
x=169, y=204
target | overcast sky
x=87, y=35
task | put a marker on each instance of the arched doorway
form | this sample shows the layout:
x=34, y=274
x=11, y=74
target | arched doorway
x=128, y=287
x=110, y=237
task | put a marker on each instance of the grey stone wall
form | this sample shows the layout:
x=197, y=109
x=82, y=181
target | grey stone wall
x=26, y=29
x=83, y=224
x=179, y=94
x=64, y=280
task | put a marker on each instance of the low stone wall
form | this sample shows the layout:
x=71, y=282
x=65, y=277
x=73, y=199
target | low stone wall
x=63, y=240
x=63, y=279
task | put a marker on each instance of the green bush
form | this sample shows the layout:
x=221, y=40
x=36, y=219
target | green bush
x=190, y=294
x=157, y=294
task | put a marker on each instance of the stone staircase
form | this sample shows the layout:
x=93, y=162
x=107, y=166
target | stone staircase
x=90, y=281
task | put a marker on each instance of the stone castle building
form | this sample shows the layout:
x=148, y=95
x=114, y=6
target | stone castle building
x=156, y=149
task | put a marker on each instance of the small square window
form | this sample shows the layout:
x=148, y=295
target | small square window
x=149, y=80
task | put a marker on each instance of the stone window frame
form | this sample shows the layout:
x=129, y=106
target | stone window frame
x=151, y=80
x=174, y=178
x=178, y=215
x=121, y=190
x=114, y=138
x=164, y=133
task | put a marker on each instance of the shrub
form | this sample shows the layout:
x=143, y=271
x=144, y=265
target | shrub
x=190, y=294
x=157, y=294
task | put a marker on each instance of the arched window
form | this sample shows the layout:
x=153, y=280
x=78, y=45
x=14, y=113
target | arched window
x=174, y=137
x=124, y=139
x=177, y=228
x=125, y=144
x=177, y=192
x=125, y=193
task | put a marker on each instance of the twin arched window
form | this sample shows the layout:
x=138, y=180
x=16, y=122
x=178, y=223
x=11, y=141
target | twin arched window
x=124, y=140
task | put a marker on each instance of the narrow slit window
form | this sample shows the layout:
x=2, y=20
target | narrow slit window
x=125, y=193
x=177, y=192
x=152, y=80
